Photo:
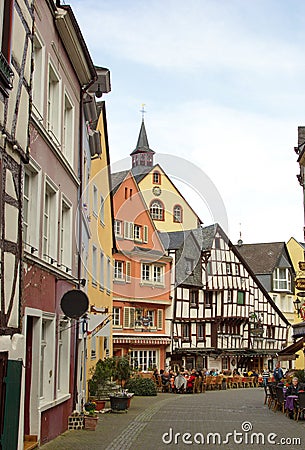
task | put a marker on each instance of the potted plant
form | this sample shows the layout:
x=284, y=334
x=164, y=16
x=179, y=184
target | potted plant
x=122, y=370
x=90, y=417
x=119, y=401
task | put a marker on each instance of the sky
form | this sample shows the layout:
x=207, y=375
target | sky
x=223, y=83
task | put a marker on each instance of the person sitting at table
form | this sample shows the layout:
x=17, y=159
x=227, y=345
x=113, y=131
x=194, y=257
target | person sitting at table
x=295, y=387
x=165, y=380
x=180, y=383
x=190, y=382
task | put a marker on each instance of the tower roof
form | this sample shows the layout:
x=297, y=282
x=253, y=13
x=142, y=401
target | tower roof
x=142, y=144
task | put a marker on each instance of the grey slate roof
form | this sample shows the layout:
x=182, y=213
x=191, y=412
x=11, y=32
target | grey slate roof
x=142, y=144
x=204, y=236
x=117, y=179
x=262, y=258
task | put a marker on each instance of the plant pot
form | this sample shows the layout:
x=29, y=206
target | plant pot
x=90, y=422
x=100, y=404
x=119, y=403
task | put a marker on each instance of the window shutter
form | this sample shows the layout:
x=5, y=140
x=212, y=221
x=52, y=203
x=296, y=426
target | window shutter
x=126, y=230
x=128, y=269
x=132, y=318
x=160, y=319
x=145, y=233
x=126, y=317
x=131, y=227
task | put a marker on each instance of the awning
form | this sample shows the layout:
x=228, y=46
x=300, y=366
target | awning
x=141, y=340
x=94, y=321
x=298, y=330
x=290, y=351
x=104, y=331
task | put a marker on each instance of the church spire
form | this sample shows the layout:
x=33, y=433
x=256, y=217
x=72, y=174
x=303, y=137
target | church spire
x=142, y=156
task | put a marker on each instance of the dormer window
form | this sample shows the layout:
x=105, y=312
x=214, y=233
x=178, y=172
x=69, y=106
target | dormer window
x=282, y=279
x=156, y=177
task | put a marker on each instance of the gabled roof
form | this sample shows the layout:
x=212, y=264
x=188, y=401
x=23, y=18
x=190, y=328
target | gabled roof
x=117, y=179
x=142, y=144
x=262, y=258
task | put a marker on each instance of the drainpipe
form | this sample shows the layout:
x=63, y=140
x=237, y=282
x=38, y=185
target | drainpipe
x=79, y=260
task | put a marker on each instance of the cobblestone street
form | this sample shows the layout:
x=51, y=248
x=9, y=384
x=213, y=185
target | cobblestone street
x=233, y=416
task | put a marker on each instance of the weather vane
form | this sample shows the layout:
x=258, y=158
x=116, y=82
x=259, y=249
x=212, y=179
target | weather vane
x=142, y=110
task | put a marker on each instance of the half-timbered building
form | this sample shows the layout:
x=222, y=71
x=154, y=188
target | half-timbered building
x=16, y=22
x=222, y=317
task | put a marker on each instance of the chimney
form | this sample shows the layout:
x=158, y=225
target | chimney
x=301, y=136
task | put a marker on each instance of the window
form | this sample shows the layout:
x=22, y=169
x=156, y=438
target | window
x=38, y=76
x=270, y=331
x=157, y=210
x=230, y=296
x=152, y=274
x=194, y=297
x=47, y=359
x=102, y=210
x=118, y=270
x=145, y=272
x=128, y=271
x=208, y=299
x=151, y=316
x=68, y=131
x=31, y=198
x=102, y=280
x=228, y=269
x=94, y=265
x=66, y=235
x=63, y=353
x=116, y=318
x=185, y=331
x=93, y=347
x=43, y=345
x=53, y=104
x=237, y=271
x=217, y=243
x=156, y=177
x=26, y=206
x=177, y=216
x=240, y=297
x=282, y=279
x=137, y=233
x=201, y=331
x=50, y=225
x=145, y=234
x=94, y=205
x=143, y=359
x=118, y=228
x=6, y=19
x=108, y=275
x=158, y=274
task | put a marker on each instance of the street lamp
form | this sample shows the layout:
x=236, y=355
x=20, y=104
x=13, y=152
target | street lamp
x=297, y=306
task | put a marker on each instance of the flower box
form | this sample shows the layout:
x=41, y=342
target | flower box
x=90, y=422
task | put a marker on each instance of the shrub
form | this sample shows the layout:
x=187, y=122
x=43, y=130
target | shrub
x=300, y=374
x=141, y=386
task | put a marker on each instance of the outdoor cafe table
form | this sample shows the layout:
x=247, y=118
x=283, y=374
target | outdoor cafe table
x=290, y=400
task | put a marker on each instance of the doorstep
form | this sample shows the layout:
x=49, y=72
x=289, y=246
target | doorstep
x=30, y=442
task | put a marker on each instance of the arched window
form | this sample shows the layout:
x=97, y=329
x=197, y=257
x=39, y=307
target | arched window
x=177, y=213
x=156, y=210
x=156, y=177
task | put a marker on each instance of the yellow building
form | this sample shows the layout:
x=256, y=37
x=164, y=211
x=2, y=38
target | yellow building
x=100, y=249
x=296, y=251
x=168, y=208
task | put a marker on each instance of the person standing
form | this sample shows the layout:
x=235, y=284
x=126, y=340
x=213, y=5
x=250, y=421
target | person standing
x=278, y=373
x=265, y=375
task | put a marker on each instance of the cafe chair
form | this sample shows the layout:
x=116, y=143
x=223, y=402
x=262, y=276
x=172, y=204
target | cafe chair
x=300, y=406
x=280, y=399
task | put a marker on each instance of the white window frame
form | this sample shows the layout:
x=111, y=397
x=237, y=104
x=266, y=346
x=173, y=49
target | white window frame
x=118, y=228
x=116, y=316
x=102, y=271
x=68, y=128
x=102, y=210
x=137, y=233
x=47, y=358
x=129, y=230
x=282, y=279
x=108, y=275
x=118, y=273
x=144, y=359
x=63, y=357
x=177, y=214
x=158, y=274
x=54, y=103
x=94, y=265
x=156, y=210
x=128, y=317
x=66, y=234
x=38, y=75
x=50, y=221
x=32, y=238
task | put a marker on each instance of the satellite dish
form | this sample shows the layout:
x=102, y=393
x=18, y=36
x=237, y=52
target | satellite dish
x=74, y=303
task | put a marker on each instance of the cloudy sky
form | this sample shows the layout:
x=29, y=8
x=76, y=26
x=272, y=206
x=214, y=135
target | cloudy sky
x=223, y=83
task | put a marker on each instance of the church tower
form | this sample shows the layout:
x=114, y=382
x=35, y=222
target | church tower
x=142, y=156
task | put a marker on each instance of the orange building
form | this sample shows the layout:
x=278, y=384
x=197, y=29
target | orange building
x=141, y=280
